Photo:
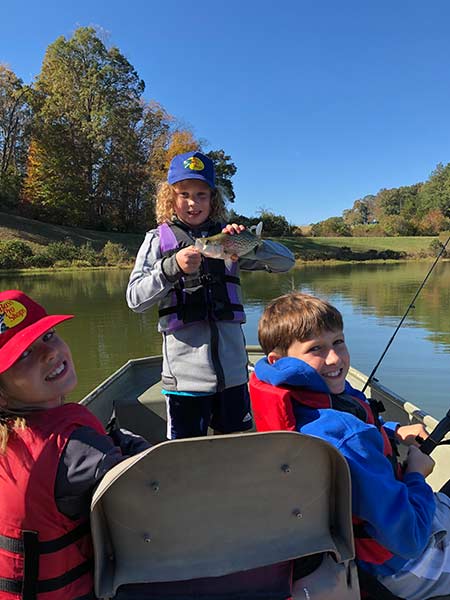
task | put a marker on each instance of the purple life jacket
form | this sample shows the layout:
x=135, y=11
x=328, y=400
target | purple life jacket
x=211, y=294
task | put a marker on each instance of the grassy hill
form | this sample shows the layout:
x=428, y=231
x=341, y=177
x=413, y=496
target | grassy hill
x=358, y=248
x=39, y=234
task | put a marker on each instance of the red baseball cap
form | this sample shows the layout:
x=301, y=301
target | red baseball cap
x=22, y=321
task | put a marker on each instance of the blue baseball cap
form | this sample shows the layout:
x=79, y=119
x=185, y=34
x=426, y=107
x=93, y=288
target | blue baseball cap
x=192, y=165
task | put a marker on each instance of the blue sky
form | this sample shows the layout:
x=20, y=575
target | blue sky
x=319, y=102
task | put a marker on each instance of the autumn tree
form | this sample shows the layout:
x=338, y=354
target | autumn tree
x=435, y=192
x=433, y=223
x=15, y=119
x=172, y=141
x=334, y=226
x=361, y=213
x=276, y=225
x=89, y=121
x=225, y=170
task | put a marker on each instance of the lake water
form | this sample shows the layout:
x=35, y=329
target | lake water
x=371, y=297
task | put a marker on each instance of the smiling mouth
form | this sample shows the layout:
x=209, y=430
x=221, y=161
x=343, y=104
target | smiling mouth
x=57, y=372
x=333, y=374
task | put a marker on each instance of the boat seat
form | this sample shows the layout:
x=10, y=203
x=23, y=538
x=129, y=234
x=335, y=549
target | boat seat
x=223, y=517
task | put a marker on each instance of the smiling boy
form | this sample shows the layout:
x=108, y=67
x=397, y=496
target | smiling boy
x=401, y=527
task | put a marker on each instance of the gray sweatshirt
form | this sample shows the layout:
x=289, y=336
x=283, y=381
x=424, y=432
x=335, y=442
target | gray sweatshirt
x=206, y=356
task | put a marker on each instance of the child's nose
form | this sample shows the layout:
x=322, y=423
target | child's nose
x=332, y=357
x=48, y=352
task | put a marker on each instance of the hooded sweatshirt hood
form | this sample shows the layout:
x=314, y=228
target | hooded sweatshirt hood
x=290, y=371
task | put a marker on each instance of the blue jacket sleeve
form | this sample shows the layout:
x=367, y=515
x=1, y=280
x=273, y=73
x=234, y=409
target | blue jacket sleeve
x=398, y=514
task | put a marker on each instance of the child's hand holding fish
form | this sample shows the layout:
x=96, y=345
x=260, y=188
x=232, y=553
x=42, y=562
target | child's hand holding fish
x=227, y=245
x=188, y=259
x=233, y=228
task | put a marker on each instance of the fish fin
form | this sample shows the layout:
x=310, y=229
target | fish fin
x=228, y=262
x=257, y=229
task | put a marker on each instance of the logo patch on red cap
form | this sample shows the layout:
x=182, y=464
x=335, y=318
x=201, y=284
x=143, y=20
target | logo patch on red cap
x=12, y=313
x=193, y=163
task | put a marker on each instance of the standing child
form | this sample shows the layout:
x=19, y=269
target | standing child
x=204, y=371
x=402, y=528
x=51, y=456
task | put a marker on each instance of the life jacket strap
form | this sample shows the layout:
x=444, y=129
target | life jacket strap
x=163, y=312
x=29, y=588
x=17, y=546
x=31, y=548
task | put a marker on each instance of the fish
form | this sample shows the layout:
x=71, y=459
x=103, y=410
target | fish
x=225, y=245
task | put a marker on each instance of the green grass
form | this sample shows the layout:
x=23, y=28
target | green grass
x=310, y=247
x=39, y=234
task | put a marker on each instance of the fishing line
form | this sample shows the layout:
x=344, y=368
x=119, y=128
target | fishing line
x=411, y=305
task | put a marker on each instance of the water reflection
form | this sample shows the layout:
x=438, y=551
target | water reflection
x=371, y=297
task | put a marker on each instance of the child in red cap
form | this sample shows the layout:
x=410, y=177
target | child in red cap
x=52, y=455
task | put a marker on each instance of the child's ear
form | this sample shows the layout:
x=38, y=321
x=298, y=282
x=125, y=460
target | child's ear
x=273, y=356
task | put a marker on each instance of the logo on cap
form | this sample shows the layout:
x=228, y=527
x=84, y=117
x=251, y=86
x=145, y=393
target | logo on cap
x=12, y=313
x=193, y=163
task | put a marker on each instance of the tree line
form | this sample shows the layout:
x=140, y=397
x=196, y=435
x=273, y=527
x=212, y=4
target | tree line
x=81, y=146
x=418, y=209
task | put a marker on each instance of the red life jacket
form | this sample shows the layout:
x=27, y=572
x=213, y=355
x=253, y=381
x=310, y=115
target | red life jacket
x=44, y=555
x=273, y=410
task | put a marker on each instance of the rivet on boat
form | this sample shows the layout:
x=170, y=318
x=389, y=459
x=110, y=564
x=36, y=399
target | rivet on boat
x=147, y=538
x=155, y=486
x=297, y=513
x=286, y=468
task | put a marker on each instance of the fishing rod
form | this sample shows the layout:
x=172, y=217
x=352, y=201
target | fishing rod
x=411, y=305
x=436, y=436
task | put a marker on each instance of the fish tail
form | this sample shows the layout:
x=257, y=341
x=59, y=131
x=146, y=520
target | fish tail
x=257, y=229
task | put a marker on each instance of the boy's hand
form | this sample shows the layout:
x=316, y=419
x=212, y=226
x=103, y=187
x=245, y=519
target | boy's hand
x=188, y=259
x=233, y=228
x=418, y=462
x=407, y=434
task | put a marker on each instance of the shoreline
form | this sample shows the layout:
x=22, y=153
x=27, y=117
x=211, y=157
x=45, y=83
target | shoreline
x=299, y=263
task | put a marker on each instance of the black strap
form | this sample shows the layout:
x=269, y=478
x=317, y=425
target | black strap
x=209, y=279
x=359, y=531
x=16, y=545
x=30, y=547
x=173, y=309
x=29, y=590
x=30, y=564
x=50, y=585
x=65, y=540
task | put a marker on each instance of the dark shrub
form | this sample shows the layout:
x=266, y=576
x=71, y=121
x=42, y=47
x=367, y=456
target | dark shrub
x=115, y=254
x=38, y=261
x=14, y=254
x=88, y=254
x=65, y=251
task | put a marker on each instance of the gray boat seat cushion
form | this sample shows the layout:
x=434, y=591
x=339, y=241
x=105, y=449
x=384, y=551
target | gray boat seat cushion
x=210, y=507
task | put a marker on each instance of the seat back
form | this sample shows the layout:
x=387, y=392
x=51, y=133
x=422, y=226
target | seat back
x=209, y=507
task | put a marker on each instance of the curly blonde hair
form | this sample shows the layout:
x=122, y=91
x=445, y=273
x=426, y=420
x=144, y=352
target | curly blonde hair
x=165, y=199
